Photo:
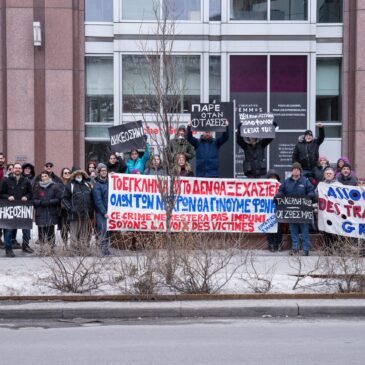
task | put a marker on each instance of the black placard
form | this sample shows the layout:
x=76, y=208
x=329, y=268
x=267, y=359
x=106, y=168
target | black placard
x=128, y=136
x=294, y=209
x=211, y=117
x=257, y=125
x=16, y=214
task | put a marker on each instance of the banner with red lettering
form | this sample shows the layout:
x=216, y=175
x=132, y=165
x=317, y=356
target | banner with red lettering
x=135, y=203
x=341, y=209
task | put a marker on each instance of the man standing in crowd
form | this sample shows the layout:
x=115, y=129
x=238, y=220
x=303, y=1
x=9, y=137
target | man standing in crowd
x=207, y=152
x=346, y=177
x=3, y=171
x=77, y=199
x=180, y=145
x=16, y=188
x=297, y=185
x=100, y=195
x=306, y=151
x=48, y=166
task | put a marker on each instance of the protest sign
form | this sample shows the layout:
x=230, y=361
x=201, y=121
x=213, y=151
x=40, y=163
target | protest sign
x=125, y=137
x=16, y=214
x=201, y=204
x=211, y=117
x=257, y=125
x=294, y=209
x=341, y=209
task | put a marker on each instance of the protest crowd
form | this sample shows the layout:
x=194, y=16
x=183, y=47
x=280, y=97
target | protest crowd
x=76, y=200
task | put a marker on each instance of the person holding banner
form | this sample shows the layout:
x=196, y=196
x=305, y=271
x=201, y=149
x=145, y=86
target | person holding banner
x=297, y=185
x=16, y=188
x=207, y=151
x=182, y=167
x=138, y=163
x=254, y=165
x=346, y=177
x=306, y=151
x=154, y=167
x=180, y=145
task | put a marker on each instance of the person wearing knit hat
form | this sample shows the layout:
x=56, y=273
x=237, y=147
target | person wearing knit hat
x=100, y=197
x=346, y=177
x=179, y=144
x=306, y=151
x=318, y=170
x=297, y=185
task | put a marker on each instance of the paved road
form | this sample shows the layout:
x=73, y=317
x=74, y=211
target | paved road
x=205, y=342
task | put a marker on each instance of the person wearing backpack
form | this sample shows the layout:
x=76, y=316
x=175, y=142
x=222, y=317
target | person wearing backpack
x=78, y=201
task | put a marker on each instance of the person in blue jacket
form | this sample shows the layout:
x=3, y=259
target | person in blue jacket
x=136, y=162
x=207, y=152
x=100, y=195
x=297, y=185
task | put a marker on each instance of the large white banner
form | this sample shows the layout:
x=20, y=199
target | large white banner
x=135, y=203
x=341, y=209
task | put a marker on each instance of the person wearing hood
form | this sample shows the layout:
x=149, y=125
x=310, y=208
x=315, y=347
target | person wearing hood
x=100, y=196
x=318, y=170
x=340, y=162
x=78, y=201
x=180, y=145
x=46, y=201
x=274, y=240
x=306, y=151
x=346, y=177
x=116, y=164
x=28, y=171
x=138, y=163
x=254, y=165
x=207, y=152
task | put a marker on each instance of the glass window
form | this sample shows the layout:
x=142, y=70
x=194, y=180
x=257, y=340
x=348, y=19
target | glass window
x=248, y=9
x=328, y=99
x=214, y=78
x=99, y=90
x=138, y=75
x=97, y=150
x=329, y=11
x=182, y=82
x=182, y=9
x=214, y=10
x=140, y=10
x=99, y=10
x=289, y=10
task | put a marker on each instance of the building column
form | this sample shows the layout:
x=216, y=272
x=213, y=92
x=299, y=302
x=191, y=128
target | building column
x=353, y=86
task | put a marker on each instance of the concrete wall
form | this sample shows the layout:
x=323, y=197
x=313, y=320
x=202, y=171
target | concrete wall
x=42, y=87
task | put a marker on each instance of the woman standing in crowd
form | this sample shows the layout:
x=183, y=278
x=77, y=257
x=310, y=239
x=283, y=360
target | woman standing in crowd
x=46, y=200
x=116, y=164
x=9, y=169
x=64, y=224
x=154, y=166
x=91, y=171
x=28, y=171
x=138, y=163
x=318, y=171
x=340, y=162
x=183, y=168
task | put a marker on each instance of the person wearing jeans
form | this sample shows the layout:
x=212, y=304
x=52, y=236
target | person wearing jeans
x=297, y=185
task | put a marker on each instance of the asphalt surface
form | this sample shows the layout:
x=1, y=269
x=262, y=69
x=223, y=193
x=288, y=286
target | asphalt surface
x=175, y=342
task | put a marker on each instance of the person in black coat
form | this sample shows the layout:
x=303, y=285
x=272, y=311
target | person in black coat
x=16, y=188
x=318, y=171
x=46, y=200
x=254, y=165
x=116, y=164
x=48, y=166
x=306, y=151
x=346, y=177
x=78, y=201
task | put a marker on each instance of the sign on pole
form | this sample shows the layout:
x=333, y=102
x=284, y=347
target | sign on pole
x=128, y=136
x=211, y=117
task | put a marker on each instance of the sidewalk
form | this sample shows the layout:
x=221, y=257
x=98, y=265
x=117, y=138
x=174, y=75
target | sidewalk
x=184, y=309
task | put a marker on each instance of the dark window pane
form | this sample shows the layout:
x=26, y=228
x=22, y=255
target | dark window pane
x=329, y=11
x=289, y=10
x=327, y=108
x=99, y=10
x=97, y=150
x=214, y=10
x=248, y=9
x=99, y=90
x=214, y=78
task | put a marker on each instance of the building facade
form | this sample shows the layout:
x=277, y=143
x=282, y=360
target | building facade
x=301, y=60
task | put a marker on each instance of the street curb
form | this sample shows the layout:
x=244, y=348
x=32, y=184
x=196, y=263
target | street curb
x=183, y=309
